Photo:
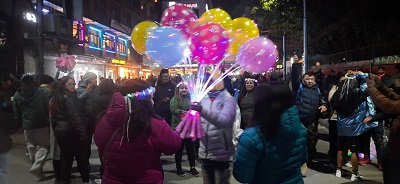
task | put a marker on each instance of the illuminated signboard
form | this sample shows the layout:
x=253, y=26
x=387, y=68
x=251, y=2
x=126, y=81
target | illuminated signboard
x=118, y=62
x=279, y=66
x=189, y=5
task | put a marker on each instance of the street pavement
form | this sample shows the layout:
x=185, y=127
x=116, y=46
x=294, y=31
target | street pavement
x=319, y=171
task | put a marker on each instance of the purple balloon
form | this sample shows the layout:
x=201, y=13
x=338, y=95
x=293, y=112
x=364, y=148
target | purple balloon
x=257, y=55
x=179, y=16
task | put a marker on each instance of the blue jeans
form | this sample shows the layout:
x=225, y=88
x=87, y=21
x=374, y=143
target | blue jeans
x=4, y=167
x=215, y=172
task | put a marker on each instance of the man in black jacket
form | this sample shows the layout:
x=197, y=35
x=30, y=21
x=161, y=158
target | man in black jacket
x=311, y=104
x=165, y=89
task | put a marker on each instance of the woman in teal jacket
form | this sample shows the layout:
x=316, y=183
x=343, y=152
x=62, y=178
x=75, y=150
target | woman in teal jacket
x=275, y=146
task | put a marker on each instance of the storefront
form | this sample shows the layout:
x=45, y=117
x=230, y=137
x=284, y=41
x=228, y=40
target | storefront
x=88, y=64
x=185, y=69
x=127, y=70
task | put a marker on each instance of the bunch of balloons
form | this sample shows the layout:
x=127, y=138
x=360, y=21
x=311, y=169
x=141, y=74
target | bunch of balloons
x=209, y=40
x=65, y=63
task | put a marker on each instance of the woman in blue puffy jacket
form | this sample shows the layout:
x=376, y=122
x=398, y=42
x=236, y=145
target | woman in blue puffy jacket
x=275, y=146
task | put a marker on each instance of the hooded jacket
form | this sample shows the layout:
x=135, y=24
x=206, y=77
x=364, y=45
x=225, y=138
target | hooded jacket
x=138, y=160
x=32, y=112
x=258, y=160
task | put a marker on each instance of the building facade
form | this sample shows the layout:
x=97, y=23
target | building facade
x=97, y=32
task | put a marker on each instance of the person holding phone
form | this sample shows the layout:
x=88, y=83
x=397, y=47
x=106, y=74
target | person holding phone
x=88, y=93
x=165, y=89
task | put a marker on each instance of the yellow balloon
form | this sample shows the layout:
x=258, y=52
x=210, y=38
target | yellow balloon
x=242, y=30
x=216, y=15
x=140, y=33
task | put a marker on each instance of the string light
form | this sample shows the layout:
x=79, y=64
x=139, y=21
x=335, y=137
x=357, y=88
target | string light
x=250, y=79
x=144, y=94
x=179, y=84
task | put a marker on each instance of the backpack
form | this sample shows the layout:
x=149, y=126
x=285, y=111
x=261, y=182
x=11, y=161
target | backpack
x=348, y=97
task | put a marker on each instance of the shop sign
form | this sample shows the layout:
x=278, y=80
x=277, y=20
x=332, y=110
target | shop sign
x=118, y=61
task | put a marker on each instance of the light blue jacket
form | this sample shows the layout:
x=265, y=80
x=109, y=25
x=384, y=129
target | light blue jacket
x=353, y=125
x=258, y=160
x=217, y=118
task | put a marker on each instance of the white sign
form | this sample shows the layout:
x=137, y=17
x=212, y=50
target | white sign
x=190, y=5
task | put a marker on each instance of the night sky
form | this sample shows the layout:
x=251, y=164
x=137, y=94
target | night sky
x=230, y=6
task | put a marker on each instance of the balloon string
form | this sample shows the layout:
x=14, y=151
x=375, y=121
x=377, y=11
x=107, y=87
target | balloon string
x=200, y=96
x=212, y=74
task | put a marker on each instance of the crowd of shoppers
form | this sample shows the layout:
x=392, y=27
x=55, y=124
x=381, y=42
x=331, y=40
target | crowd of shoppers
x=134, y=122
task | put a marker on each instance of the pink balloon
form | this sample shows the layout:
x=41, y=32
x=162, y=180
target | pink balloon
x=65, y=63
x=179, y=16
x=257, y=55
x=209, y=43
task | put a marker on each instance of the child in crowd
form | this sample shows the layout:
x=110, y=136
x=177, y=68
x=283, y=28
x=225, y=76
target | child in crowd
x=179, y=105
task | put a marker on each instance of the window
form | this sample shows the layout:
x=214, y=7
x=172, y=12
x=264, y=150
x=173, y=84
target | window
x=122, y=46
x=78, y=31
x=109, y=42
x=94, y=38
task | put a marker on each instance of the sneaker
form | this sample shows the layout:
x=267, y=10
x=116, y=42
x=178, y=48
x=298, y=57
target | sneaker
x=180, y=173
x=348, y=165
x=339, y=173
x=97, y=181
x=364, y=161
x=194, y=172
x=356, y=177
x=304, y=170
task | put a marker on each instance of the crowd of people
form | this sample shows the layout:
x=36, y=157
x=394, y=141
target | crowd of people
x=134, y=122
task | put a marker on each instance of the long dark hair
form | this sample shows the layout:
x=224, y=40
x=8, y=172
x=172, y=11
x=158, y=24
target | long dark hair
x=270, y=101
x=55, y=106
x=243, y=90
x=142, y=109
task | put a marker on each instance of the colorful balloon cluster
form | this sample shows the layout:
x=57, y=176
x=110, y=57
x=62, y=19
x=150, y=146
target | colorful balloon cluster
x=65, y=63
x=208, y=40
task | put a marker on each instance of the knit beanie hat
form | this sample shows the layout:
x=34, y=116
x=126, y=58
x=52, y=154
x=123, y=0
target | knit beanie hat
x=89, y=76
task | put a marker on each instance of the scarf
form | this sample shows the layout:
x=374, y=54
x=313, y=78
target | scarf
x=214, y=94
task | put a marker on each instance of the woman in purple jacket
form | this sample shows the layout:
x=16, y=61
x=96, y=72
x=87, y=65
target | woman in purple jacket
x=134, y=153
